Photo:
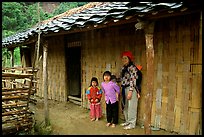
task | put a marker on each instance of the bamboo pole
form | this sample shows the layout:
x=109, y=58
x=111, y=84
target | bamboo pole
x=45, y=88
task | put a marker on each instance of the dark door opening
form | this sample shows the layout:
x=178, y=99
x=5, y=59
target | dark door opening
x=73, y=58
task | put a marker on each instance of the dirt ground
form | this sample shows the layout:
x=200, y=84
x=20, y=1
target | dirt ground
x=70, y=119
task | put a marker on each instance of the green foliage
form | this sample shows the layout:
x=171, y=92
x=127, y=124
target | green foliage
x=42, y=129
x=5, y=58
x=17, y=57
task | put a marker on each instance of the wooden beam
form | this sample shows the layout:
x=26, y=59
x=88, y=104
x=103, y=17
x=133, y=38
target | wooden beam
x=91, y=27
x=149, y=29
x=45, y=88
x=167, y=15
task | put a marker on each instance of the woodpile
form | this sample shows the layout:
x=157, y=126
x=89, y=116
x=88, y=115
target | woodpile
x=17, y=93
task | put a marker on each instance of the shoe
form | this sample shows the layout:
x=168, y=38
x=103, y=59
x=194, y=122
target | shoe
x=128, y=127
x=96, y=119
x=124, y=124
x=113, y=125
x=108, y=124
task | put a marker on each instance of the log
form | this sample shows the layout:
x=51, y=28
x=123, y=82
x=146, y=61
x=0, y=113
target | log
x=13, y=75
x=15, y=92
x=15, y=97
x=13, y=89
x=8, y=106
x=19, y=119
x=24, y=111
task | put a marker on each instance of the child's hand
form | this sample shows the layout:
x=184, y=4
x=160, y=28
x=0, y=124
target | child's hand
x=117, y=98
x=91, y=100
x=96, y=100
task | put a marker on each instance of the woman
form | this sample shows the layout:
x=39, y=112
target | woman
x=130, y=93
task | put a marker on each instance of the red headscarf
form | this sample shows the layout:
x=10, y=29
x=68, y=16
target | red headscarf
x=128, y=54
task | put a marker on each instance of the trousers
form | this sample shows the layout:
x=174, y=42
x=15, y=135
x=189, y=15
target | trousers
x=130, y=108
x=112, y=112
x=95, y=110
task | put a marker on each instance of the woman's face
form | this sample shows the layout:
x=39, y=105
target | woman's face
x=125, y=60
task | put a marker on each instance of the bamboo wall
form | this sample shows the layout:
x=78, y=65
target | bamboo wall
x=177, y=77
x=101, y=51
x=56, y=70
x=177, y=87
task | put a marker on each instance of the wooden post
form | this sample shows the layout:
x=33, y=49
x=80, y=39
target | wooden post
x=45, y=88
x=38, y=44
x=149, y=29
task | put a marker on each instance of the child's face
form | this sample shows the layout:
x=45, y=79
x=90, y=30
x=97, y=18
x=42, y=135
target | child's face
x=107, y=78
x=94, y=83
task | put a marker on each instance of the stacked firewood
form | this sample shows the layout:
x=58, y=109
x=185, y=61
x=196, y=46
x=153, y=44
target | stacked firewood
x=18, y=88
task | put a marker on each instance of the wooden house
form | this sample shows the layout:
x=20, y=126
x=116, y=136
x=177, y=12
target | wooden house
x=165, y=38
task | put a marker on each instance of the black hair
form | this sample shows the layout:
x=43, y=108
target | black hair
x=94, y=79
x=113, y=77
x=106, y=73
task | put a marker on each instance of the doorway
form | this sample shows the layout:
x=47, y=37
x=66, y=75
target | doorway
x=73, y=57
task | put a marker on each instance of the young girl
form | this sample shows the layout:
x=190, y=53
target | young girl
x=111, y=91
x=94, y=94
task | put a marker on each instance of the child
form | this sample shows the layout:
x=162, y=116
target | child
x=113, y=78
x=111, y=91
x=94, y=94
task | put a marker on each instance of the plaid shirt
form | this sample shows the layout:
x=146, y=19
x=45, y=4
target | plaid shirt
x=129, y=79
